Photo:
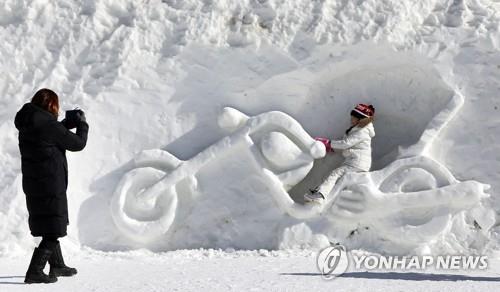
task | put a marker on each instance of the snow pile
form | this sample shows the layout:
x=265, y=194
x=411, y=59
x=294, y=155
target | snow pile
x=156, y=75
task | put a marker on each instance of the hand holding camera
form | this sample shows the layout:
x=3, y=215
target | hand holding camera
x=73, y=118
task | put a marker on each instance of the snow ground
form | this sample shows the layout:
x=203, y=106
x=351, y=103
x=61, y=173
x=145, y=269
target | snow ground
x=205, y=270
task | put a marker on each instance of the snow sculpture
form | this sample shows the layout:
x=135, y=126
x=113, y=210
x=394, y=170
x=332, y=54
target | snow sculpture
x=410, y=201
x=414, y=197
x=145, y=202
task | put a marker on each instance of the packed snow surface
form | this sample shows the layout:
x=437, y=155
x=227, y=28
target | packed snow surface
x=202, y=115
x=216, y=270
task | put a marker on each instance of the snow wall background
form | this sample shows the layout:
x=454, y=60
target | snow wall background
x=155, y=75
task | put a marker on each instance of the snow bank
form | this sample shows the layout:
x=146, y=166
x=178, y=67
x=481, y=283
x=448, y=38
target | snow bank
x=156, y=76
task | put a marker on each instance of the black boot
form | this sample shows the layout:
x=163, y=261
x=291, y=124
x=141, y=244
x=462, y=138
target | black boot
x=35, y=272
x=57, y=266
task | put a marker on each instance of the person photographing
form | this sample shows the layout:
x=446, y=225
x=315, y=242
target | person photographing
x=43, y=142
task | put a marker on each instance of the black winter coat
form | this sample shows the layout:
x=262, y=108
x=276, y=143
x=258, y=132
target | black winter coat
x=43, y=142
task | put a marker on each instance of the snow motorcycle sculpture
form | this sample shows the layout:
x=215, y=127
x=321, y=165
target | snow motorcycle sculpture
x=414, y=197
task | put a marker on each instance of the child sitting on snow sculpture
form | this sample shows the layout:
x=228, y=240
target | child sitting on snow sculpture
x=355, y=146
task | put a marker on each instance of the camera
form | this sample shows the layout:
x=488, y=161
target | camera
x=73, y=117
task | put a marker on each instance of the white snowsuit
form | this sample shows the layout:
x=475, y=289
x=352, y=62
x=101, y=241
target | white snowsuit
x=357, y=150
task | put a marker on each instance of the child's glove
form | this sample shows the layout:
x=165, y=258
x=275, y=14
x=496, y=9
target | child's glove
x=326, y=142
